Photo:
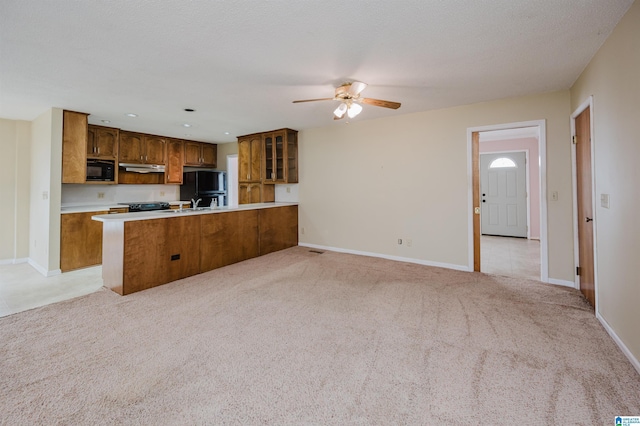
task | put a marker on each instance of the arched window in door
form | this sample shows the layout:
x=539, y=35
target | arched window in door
x=502, y=162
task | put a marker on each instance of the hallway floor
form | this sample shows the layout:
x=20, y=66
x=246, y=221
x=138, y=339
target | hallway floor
x=514, y=257
x=23, y=288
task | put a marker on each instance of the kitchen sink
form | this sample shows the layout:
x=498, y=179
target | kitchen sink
x=197, y=209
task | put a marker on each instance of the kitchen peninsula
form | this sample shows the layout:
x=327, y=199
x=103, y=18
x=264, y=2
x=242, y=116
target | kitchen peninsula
x=145, y=250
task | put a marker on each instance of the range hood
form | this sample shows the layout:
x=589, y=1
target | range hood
x=142, y=168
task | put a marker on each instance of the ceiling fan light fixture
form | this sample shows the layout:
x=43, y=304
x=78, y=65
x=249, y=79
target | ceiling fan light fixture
x=339, y=112
x=353, y=110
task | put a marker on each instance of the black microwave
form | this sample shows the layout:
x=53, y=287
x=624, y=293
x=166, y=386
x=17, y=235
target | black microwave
x=100, y=171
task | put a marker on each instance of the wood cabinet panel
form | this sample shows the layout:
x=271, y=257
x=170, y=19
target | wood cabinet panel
x=131, y=148
x=250, y=158
x=200, y=154
x=228, y=238
x=191, y=153
x=278, y=228
x=159, y=251
x=80, y=241
x=209, y=155
x=154, y=149
x=102, y=142
x=74, y=147
x=175, y=161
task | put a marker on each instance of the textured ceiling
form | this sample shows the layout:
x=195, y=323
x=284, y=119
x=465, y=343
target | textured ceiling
x=239, y=64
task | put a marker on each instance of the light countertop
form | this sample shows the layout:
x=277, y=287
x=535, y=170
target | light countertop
x=89, y=208
x=159, y=214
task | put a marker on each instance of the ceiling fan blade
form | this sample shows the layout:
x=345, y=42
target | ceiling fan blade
x=380, y=103
x=356, y=87
x=313, y=100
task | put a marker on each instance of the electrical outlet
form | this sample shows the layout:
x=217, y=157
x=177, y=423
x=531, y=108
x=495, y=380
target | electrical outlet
x=162, y=193
x=409, y=242
x=288, y=190
x=100, y=194
x=604, y=200
x=554, y=196
x=45, y=195
x=302, y=230
x=400, y=241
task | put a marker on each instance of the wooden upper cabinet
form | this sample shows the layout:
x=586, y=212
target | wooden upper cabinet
x=280, y=158
x=102, y=142
x=74, y=147
x=209, y=154
x=250, y=158
x=131, y=148
x=155, y=149
x=139, y=148
x=200, y=154
x=175, y=161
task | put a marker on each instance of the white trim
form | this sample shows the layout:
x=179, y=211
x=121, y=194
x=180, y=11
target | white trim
x=13, y=261
x=542, y=159
x=389, y=257
x=527, y=182
x=634, y=361
x=564, y=283
x=574, y=177
x=42, y=270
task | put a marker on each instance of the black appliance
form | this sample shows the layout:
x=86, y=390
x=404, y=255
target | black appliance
x=100, y=171
x=146, y=206
x=206, y=185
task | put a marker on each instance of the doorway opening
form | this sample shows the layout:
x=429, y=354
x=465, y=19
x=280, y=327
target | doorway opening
x=507, y=219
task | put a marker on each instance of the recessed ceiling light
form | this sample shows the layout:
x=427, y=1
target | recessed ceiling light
x=132, y=115
x=187, y=134
x=186, y=125
x=106, y=121
x=189, y=109
x=226, y=133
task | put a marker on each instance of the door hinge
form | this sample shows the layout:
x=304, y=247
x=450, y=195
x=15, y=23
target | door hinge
x=573, y=140
x=578, y=270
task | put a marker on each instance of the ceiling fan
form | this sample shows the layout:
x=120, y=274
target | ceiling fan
x=349, y=96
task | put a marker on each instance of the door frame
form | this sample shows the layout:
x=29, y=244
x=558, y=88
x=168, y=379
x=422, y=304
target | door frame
x=473, y=176
x=527, y=184
x=574, y=182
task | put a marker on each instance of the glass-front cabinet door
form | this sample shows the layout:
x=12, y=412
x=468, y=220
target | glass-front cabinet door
x=280, y=156
x=268, y=158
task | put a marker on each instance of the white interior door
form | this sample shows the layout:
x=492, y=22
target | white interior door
x=503, y=194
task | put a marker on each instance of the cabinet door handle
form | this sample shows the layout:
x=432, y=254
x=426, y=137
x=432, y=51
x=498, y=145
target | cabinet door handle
x=146, y=157
x=98, y=150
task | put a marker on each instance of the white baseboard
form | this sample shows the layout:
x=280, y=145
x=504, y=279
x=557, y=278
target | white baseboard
x=564, y=283
x=13, y=261
x=42, y=270
x=389, y=257
x=634, y=361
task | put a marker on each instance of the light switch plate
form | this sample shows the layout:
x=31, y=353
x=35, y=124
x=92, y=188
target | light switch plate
x=604, y=200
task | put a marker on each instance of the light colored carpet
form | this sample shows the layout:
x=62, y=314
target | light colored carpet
x=301, y=338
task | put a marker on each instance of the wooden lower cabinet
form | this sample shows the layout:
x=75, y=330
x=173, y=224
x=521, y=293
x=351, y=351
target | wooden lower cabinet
x=80, y=241
x=228, y=238
x=159, y=251
x=278, y=228
x=147, y=253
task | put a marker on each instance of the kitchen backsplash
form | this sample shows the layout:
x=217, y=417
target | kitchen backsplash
x=87, y=194
x=287, y=193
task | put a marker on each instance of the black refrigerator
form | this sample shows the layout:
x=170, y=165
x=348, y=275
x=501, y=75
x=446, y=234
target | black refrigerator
x=206, y=185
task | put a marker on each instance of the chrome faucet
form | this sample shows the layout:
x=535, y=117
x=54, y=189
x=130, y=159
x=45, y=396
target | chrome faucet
x=194, y=203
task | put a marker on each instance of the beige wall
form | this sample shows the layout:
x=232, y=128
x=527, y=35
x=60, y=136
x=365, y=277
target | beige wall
x=14, y=187
x=45, y=191
x=613, y=78
x=365, y=184
x=225, y=149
